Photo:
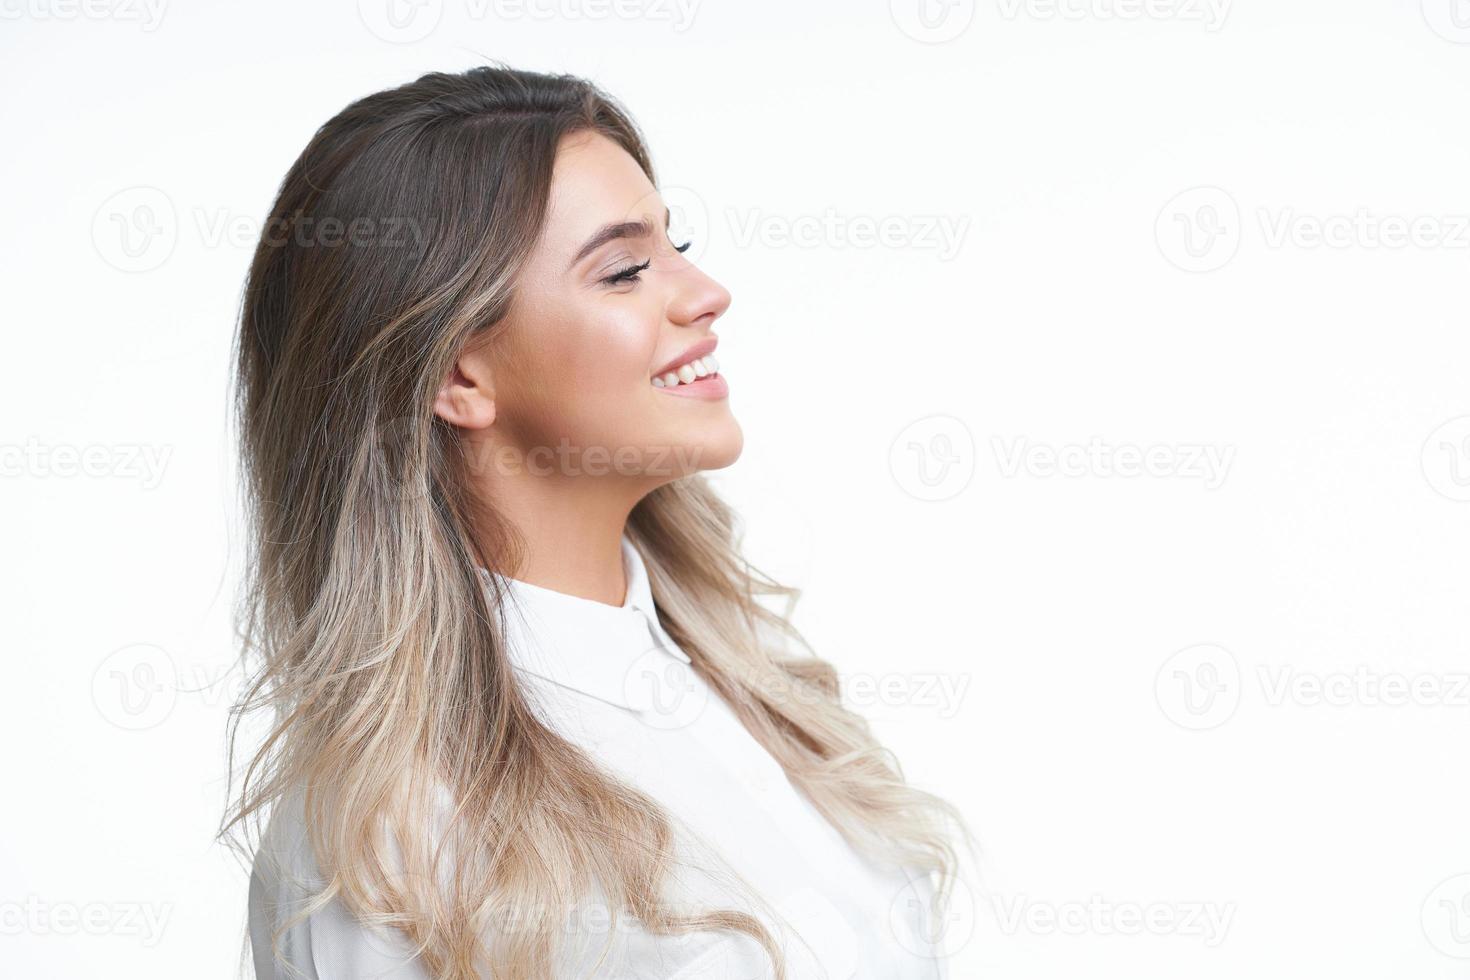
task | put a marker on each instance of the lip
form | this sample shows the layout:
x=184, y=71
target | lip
x=712, y=387
x=696, y=349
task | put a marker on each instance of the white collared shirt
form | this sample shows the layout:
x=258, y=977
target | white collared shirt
x=611, y=681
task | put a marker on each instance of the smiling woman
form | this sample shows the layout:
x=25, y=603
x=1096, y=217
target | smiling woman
x=529, y=715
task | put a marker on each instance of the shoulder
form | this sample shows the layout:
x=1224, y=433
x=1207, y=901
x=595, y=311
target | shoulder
x=294, y=933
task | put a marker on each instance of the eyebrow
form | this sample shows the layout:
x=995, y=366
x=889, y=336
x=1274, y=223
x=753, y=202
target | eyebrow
x=612, y=232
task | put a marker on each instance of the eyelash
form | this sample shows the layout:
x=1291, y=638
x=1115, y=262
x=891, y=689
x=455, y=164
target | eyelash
x=630, y=274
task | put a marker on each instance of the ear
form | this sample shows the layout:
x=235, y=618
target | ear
x=467, y=397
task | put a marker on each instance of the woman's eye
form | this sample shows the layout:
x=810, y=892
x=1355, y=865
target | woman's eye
x=630, y=274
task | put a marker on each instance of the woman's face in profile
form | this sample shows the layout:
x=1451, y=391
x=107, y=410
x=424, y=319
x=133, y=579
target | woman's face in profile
x=590, y=326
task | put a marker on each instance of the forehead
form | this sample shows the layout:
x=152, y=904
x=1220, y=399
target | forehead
x=594, y=181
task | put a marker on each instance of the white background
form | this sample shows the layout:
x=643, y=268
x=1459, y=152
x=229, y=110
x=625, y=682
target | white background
x=1228, y=701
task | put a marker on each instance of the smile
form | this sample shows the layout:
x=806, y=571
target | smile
x=689, y=373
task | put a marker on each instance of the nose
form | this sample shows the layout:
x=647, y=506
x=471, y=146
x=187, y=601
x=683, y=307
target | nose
x=697, y=299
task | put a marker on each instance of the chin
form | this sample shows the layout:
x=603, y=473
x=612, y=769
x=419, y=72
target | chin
x=719, y=460
x=712, y=450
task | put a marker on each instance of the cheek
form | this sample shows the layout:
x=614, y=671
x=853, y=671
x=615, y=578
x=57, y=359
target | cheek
x=592, y=369
x=613, y=350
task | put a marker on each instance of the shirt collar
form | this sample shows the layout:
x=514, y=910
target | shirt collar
x=598, y=649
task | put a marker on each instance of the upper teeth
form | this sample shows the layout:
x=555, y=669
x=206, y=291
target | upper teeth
x=700, y=367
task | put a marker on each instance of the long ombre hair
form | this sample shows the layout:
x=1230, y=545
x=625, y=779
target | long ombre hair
x=371, y=635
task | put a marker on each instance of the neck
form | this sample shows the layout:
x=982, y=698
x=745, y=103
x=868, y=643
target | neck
x=572, y=529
